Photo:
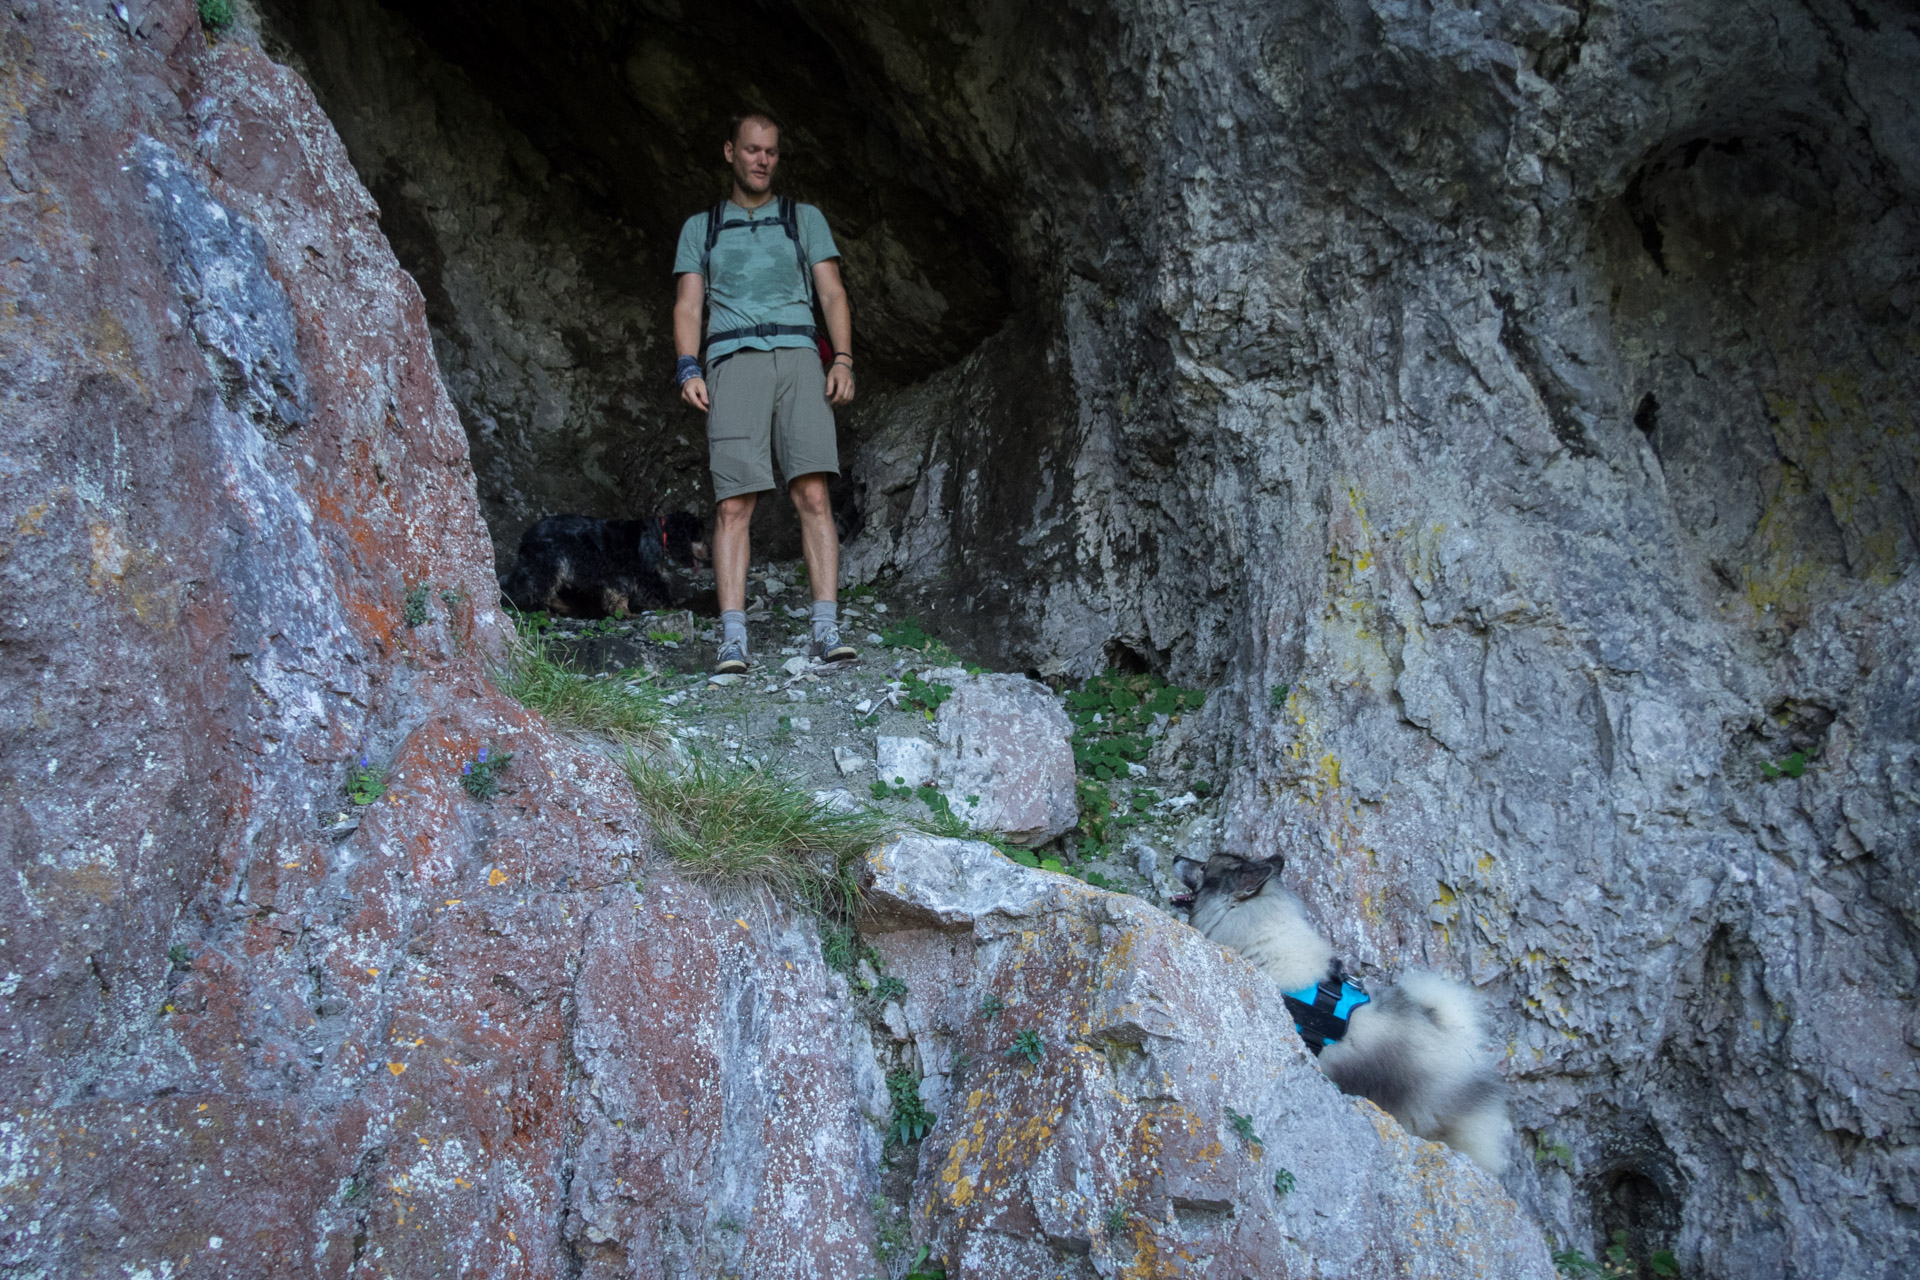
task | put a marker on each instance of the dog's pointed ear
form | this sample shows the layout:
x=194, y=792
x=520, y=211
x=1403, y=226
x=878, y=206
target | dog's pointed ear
x=1189, y=871
x=1250, y=877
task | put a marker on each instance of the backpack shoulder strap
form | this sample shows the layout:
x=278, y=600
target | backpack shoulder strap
x=714, y=215
x=788, y=212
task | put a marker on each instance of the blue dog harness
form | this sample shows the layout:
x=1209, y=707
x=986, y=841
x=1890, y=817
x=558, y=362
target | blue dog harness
x=1321, y=1012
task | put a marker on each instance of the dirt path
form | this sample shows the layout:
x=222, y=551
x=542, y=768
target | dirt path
x=816, y=723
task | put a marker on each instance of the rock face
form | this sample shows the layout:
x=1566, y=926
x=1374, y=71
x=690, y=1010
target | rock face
x=242, y=549
x=1109, y=1147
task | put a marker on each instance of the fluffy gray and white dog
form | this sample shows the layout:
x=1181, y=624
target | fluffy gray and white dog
x=1415, y=1048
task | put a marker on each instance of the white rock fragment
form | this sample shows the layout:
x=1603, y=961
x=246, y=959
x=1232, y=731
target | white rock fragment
x=838, y=800
x=849, y=762
x=895, y=1019
x=863, y=706
x=904, y=762
x=728, y=678
x=794, y=666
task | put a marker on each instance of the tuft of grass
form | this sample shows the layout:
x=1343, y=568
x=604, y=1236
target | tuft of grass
x=735, y=821
x=531, y=677
x=1116, y=1221
x=216, y=15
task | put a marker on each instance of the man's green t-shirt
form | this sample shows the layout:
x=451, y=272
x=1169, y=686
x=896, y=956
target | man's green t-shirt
x=756, y=274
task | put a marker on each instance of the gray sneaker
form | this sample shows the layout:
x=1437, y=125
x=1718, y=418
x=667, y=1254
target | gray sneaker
x=732, y=660
x=827, y=646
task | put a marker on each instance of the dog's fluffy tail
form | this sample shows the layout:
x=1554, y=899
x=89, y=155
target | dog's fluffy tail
x=1447, y=1004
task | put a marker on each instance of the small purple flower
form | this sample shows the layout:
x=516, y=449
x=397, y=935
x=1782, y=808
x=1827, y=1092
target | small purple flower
x=467, y=767
x=483, y=755
x=363, y=760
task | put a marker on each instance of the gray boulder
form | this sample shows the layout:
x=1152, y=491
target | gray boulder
x=1005, y=763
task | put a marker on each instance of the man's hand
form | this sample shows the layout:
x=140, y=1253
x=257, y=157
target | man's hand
x=694, y=392
x=839, y=386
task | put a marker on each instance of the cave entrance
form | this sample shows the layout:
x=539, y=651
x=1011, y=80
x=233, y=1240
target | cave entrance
x=533, y=166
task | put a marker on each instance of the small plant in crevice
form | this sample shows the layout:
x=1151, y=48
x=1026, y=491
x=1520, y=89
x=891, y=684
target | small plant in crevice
x=530, y=625
x=1279, y=695
x=179, y=957
x=925, y=695
x=839, y=946
x=1558, y=1152
x=416, y=605
x=958, y=1068
x=1791, y=766
x=666, y=637
x=892, y=1229
x=366, y=782
x=1283, y=1183
x=1243, y=1126
x=1111, y=715
x=1027, y=1045
x=889, y=988
x=1614, y=1263
x=911, y=1119
x=992, y=1007
x=921, y=1269
x=216, y=15
x=481, y=775
x=1115, y=1222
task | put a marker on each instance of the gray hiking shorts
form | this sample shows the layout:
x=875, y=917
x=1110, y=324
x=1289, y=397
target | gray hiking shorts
x=776, y=397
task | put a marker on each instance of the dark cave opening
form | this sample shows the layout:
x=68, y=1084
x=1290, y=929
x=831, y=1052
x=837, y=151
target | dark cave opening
x=533, y=167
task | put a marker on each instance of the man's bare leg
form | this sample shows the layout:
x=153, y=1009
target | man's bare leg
x=820, y=544
x=819, y=540
x=731, y=551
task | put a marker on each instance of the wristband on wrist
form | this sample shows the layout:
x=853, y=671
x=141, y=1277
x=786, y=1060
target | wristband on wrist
x=838, y=356
x=686, y=370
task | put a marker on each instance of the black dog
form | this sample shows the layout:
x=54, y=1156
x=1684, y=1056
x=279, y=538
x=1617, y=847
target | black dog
x=584, y=567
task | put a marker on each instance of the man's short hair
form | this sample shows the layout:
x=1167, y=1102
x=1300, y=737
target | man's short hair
x=763, y=117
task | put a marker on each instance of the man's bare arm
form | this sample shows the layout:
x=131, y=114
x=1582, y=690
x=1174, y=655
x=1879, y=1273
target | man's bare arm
x=833, y=304
x=689, y=300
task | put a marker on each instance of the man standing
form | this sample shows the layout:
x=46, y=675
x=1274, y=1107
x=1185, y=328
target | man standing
x=763, y=389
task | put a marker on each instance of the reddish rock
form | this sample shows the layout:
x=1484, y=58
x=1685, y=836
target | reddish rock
x=468, y=1038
